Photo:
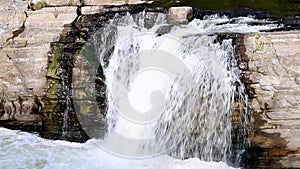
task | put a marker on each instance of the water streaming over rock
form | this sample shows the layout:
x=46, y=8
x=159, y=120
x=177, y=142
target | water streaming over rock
x=172, y=88
x=171, y=93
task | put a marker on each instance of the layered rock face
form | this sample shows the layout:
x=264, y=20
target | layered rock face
x=272, y=78
x=24, y=55
x=40, y=42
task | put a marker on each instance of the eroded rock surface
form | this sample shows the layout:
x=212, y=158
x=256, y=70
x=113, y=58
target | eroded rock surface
x=11, y=20
x=33, y=42
x=272, y=75
x=39, y=43
x=24, y=59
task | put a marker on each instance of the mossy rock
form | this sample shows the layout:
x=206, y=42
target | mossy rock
x=38, y=5
x=53, y=64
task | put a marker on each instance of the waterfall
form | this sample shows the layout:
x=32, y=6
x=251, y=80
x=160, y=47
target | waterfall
x=171, y=92
x=172, y=88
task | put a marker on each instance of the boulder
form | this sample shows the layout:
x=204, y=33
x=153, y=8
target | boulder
x=180, y=14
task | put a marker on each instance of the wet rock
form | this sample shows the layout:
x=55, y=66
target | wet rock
x=24, y=60
x=180, y=14
x=8, y=111
x=25, y=111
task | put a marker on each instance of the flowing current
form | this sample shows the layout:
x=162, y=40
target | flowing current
x=171, y=90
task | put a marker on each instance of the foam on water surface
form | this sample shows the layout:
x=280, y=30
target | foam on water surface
x=25, y=150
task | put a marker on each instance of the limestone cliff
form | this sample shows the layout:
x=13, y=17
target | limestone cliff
x=40, y=43
x=271, y=73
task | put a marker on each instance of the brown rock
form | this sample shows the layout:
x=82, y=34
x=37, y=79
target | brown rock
x=8, y=111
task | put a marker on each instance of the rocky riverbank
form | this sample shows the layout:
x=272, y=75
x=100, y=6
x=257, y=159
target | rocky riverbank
x=39, y=46
x=271, y=74
x=41, y=59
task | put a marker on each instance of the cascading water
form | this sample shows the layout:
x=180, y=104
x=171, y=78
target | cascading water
x=171, y=91
x=171, y=88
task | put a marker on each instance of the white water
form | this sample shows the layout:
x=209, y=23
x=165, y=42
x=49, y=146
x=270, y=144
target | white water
x=171, y=88
x=25, y=150
x=179, y=104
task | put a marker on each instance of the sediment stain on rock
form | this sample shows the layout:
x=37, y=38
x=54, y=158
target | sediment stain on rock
x=271, y=80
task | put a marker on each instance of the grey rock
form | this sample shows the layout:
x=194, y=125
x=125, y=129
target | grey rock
x=180, y=14
x=12, y=18
x=274, y=72
x=112, y=2
x=87, y=10
x=56, y=2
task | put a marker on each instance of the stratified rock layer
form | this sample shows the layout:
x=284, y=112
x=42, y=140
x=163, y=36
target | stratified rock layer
x=37, y=42
x=39, y=45
x=273, y=82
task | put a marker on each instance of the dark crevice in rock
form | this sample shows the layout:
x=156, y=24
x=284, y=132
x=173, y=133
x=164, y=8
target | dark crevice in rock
x=63, y=53
x=16, y=33
x=240, y=133
x=60, y=106
x=265, y=150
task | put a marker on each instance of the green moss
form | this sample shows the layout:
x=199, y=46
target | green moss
x=52, y=122
x=72, y=3
x=82, y=19
x=89, y=53
x=52, y=67
x=190, y=17
x=39, y=5
x=259, y=44
x=256, y=36
x=81, y=39
x=52, y=91
x=126, y=2
x=53, y=82
x=255, y=57
x=81, y=2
